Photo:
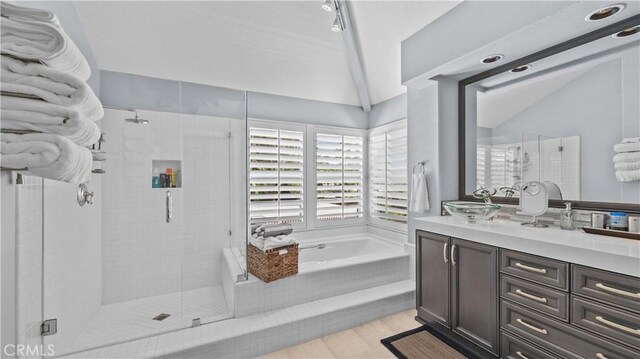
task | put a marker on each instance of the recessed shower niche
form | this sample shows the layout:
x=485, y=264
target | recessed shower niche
x=166, y=174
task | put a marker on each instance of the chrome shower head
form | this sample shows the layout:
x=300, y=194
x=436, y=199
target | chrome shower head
x=137, y=120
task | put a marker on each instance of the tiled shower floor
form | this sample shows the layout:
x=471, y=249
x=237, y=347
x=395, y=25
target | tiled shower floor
x=124, y=321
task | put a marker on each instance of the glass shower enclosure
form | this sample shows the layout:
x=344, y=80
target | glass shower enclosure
x=160, y=247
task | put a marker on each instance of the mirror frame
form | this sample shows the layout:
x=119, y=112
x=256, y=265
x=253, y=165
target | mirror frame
x=550, y=51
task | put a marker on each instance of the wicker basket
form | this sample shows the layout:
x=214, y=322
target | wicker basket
x=270, y=265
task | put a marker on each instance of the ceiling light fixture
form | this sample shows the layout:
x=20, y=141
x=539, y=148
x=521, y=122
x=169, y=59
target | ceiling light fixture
x=337, y=23
x=520, y=68
x=492, y=58
x=628, y=32
x=328, y=5
x=605, y=12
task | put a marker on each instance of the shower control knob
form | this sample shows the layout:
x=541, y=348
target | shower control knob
x=84, y=196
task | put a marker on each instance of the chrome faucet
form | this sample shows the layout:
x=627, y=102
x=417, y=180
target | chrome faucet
x=484, y=194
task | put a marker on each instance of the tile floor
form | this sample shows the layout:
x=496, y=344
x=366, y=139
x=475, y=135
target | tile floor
x=123, y=321
x=359, y=342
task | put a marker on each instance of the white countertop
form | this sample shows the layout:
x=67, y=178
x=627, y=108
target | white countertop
x=618, y=255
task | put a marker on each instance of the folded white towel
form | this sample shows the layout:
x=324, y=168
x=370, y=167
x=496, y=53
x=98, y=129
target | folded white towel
x=13, y=11
x=419, y=200
x=50, y=85
x=45, y=42
x=266, y=243
x=46, y=155
x=626, y=157
x=626, y=147
x=28, y=114
x=626, y=166
x=630, y=140
x=628, y=176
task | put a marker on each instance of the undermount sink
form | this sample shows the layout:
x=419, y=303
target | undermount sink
x=472, y=212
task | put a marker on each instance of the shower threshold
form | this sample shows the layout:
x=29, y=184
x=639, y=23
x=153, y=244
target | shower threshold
x=125, y=321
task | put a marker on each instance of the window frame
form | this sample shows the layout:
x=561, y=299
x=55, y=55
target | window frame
x=282, y=126
x=379, y=222
x=312, y=177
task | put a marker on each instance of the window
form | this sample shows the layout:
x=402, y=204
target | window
x=339, y=176
x=276, y=175
x=388, y=175
x=480, y=167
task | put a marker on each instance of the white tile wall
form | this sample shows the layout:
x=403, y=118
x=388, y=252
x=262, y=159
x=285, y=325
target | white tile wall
x=29, y=207
x=72, y=257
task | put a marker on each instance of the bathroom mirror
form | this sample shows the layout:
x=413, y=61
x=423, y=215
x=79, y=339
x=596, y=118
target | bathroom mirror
x=555, y=117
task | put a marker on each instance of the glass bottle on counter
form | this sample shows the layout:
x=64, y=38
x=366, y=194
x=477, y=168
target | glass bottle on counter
x=567, y=218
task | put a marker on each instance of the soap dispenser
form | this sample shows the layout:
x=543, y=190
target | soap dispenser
x=567, y=218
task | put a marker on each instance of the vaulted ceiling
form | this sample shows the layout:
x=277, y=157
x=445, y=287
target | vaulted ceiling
x=279, y=47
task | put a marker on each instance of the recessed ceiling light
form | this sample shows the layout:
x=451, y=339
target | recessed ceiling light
x=605, y=12
x=492, y=58
x=328, y=5
x=520, y=68
x=628, y=32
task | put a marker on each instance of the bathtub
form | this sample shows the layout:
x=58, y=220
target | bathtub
x=319, y=254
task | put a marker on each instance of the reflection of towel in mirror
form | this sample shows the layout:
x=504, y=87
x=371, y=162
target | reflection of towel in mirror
x=627, y=166
x=626, y=147
x=628, y=176
x=419, y=201
x=627, y=157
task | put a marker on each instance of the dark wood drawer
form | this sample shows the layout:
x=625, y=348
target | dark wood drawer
x=538, y=269
x=548, y=301
x=613, y=323
x=512, y=347
x=611, y=288
x=559, y=337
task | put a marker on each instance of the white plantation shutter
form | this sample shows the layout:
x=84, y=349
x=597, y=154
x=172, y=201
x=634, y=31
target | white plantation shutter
x=276, y=175
x=339, y=176
x=480, y=167
x=388, y=191
x=504, y=172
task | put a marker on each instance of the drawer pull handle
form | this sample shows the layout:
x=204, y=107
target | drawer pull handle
x=532, y=297
x=617, y=291
x=618, y=326
x=539, y=330
x=522, y=355
x=531, y=269
x=601, y=356
x=444, y=253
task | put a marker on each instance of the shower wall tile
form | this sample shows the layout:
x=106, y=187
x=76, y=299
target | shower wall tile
x=143, y=255
x=28, y=247
x=72, y=253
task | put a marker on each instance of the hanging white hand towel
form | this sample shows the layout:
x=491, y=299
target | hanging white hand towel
x=419, y=199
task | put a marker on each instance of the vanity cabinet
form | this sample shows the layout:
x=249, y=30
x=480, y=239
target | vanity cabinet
x=499, y=302
x=458, y=287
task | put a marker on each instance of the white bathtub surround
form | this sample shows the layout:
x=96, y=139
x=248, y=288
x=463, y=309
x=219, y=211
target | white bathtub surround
x=344, y=265
x=608, y=253
x=254, y=335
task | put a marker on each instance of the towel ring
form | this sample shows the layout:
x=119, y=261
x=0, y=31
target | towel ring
x=419, y=165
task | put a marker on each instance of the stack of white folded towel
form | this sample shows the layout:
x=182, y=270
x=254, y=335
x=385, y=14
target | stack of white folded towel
x=43, y=81
x=627, y=160
x=271, y=235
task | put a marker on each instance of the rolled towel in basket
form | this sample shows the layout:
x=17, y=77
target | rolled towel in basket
x=274, y=229
x=45, y=42
x=35, y=115
x=46, y=155
x=50, y=85
x=277, y=242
